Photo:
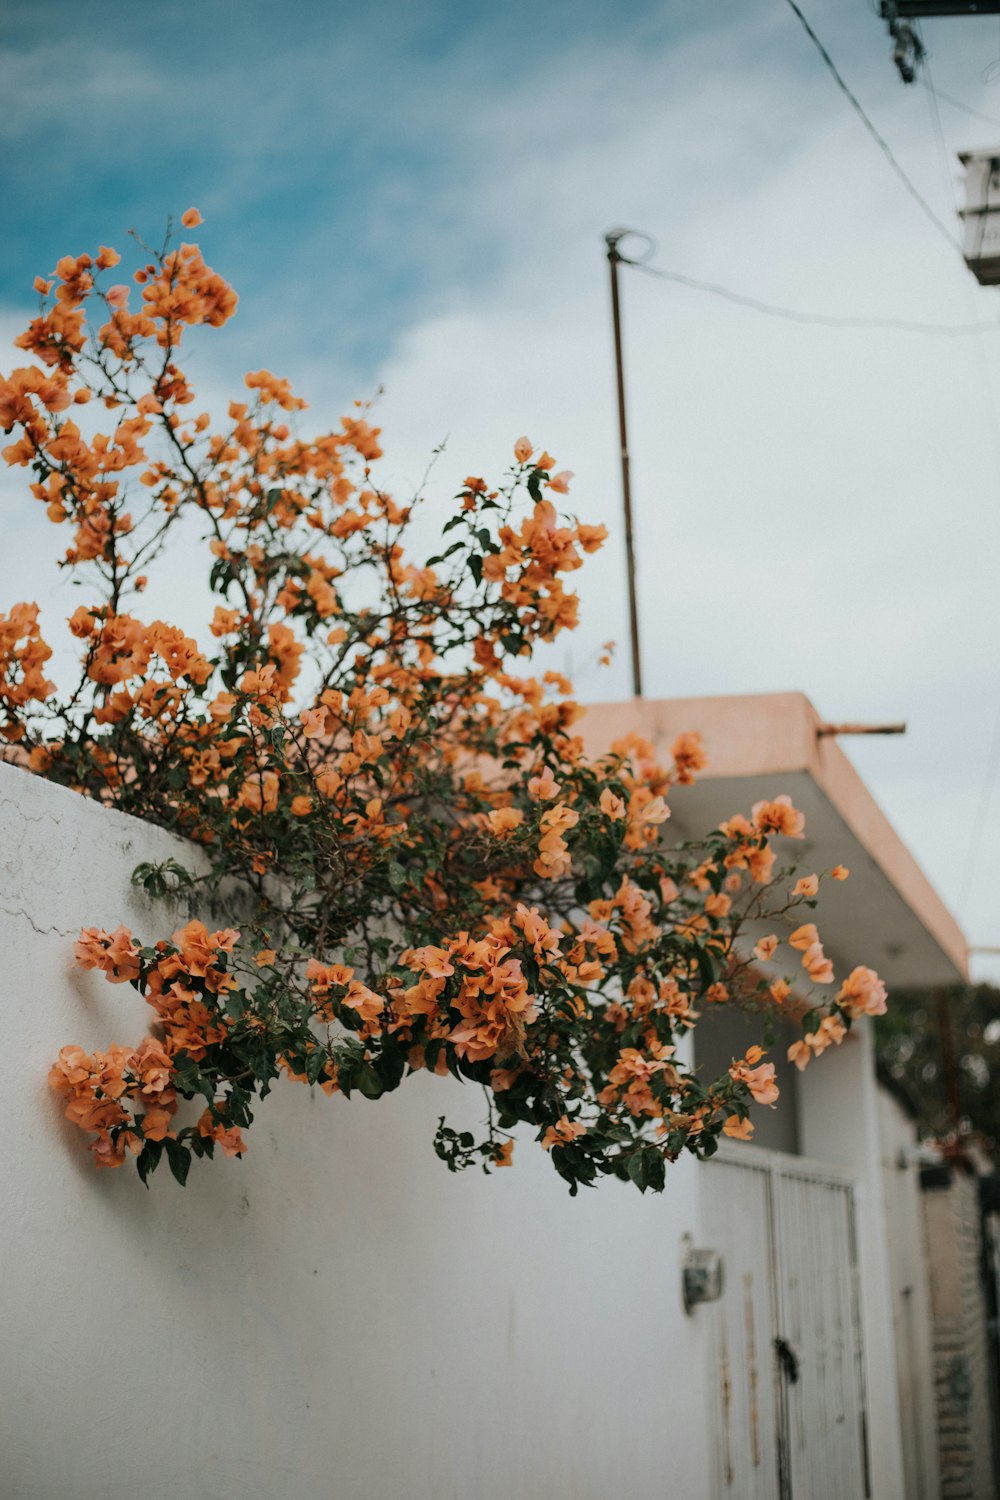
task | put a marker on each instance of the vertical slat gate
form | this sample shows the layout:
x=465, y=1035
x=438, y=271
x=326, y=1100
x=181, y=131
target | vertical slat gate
x=788, y=1400
x=817, y=1303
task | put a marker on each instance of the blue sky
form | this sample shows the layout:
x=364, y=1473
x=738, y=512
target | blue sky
x=414, y=196
x=328, y=145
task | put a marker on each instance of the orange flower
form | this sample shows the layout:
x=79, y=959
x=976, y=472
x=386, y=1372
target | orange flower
x=737, y=1129
x=156, y=1123
x=591, y=539
x=759, y=1080
x=231, y=1141
x=226, y=1136
x=191, y=218
x=807, y=886
x=863, y=993
x=503, y=1155
x=817, y=965
x=764, y=949
x=224, y=621
x=611, y=806
x=778, y=816
x=830, y=1032
x=562, y=1133
x=689, y=757
x=360, y=998
x=544, y=939
x=504, y=820
x=435, y=962
x=324, y=976
x=652, y=812
x=522, y=450
x=113, y=952
x=839, y=872
x=313, y=722
x=760, y=863
x=544, y=785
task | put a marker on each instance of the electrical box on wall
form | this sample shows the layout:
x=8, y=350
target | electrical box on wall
x=702, y=1276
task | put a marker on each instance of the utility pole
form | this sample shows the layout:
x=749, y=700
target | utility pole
x=614, y=260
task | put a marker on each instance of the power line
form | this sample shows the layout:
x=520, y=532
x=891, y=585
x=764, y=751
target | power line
x=988, y=393
x=965, y=108
x=879, y=139
x=825, y=320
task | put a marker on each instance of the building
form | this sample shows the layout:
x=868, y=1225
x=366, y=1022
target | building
x=338, y=1314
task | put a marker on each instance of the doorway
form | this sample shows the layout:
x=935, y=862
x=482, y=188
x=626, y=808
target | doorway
x=788, y=1399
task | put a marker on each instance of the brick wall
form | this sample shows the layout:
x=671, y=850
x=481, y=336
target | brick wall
x=961, y=1373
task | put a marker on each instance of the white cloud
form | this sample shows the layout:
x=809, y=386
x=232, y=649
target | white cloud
x=815, y=509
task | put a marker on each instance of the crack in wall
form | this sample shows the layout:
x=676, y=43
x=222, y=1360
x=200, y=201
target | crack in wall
x=19, y=911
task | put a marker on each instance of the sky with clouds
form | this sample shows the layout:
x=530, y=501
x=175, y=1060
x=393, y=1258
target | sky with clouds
x=411, y=197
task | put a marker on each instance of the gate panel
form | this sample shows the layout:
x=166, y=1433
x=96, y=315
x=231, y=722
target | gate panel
x=787, y=1398
x=743, y=1395
x=824, y=1407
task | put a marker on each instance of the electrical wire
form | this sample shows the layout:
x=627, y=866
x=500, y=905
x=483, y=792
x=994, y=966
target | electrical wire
x=879, y=139
x=988, y=393
x=957, y=104
x=935, y=114
x=824, y=320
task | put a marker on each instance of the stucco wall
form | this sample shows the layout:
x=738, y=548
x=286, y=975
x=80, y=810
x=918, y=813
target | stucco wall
x=911, y=1303
x=335, y=1315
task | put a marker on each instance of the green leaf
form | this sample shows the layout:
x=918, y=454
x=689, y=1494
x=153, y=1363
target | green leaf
x=148, y=1159
x=656, y=1173
x=397, y=875
x=315, y=1063
x=369, y=1082
x=637, y=1170
x=179, y=1158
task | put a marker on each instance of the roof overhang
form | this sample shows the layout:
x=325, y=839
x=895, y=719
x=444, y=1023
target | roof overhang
x=887, y=915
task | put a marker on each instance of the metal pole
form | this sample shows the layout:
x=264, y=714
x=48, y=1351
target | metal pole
x=614, y=258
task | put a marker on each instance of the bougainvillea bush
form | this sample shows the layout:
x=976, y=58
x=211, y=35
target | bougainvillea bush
x=436, y=876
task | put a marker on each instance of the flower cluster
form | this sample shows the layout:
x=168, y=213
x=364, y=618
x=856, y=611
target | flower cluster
x=433, y=873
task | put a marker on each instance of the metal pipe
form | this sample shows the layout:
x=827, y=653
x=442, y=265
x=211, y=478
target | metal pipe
x=611, y=240
x=825, y=729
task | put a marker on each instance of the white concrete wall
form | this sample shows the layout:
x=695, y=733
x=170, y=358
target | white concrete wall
x=911, y=1300
x=335, y=1315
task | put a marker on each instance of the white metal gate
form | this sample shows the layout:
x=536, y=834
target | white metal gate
x=788, y=1398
